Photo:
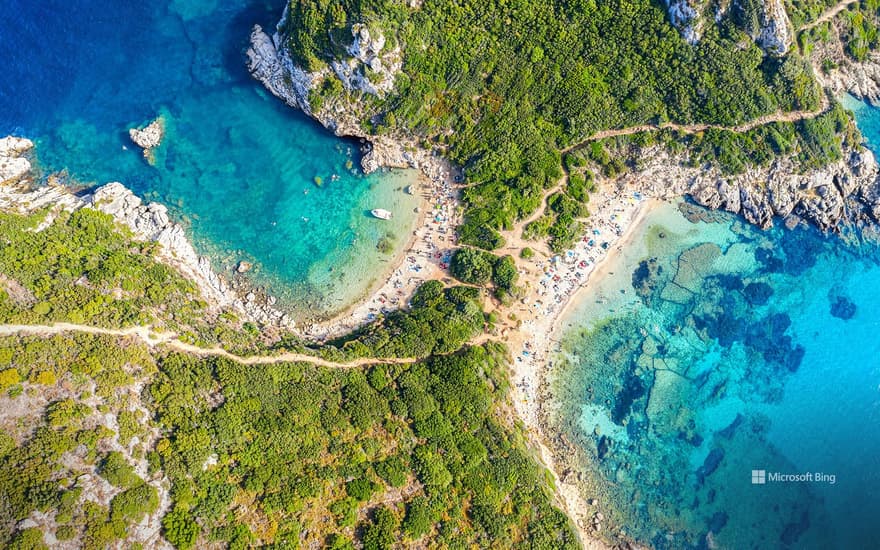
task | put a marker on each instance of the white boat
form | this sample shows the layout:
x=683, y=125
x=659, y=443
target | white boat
x=381, y=214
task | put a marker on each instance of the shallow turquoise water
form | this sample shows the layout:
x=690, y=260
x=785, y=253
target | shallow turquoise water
x=714, y=350
x=237, y=166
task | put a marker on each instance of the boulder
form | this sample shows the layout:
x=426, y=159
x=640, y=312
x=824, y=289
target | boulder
x=150, y=136
x=13, y=166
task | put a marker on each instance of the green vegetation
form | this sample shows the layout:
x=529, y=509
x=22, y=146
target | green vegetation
x=517, y=80
x=477, y=267
x=83, y=269
x=439, y=321
x=811, y=143
x=45, y=452
x=805, y=11
x=288, y=455
x=297, y=446
x=860, y=31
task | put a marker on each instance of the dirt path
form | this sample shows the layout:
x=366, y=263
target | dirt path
x=170, y=340
x=830, y=14
x=779, y=116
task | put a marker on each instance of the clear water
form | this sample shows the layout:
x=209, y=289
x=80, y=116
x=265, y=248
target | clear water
x=715, y=349
x=237, y=166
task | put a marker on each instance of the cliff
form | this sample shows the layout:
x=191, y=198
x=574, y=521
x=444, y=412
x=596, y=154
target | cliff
x=688, y=16
x=845, y=192
x=271, y=64
x=765, y=21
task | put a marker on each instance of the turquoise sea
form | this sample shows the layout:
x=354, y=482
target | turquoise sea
x=237, y=167
x=714, y=363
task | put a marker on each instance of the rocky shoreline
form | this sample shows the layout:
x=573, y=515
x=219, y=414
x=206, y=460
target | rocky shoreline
x=272, y=65
x=844, y=193
x=147, y=221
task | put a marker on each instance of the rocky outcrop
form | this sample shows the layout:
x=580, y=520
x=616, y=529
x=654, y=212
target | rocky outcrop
x=768, y=23
x=685, y=15
x=150, y=222
x=369, y=69
x=270, y=63
x=842, y=193
x=859, y=79
x=775, y=32
x=13, y=165
x=149, y=137
x=147, y=222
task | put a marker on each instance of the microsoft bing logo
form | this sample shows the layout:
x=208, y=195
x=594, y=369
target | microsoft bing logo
x=759, y=477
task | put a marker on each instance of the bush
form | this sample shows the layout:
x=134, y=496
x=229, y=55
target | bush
x=8, y=378
x=361, y=489
x=380, y=533
x=472, y=266
x=393, y=471
x=116, y=470
x=180, y=530
x=132, y=505
x=419, y=518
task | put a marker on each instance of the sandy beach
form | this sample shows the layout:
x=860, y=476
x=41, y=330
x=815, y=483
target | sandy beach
x=425, y=257
x=550, y=282
x=552, y=286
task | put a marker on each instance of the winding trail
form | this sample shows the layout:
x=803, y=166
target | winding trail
x=830, y=14
x=170, y=340
x=779, y=116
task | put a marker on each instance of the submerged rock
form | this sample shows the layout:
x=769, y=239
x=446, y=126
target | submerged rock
x=757, y=294
x=603, y=447
x=794, y=530
x=243, y=267
x=728, y=432
x=842, y=308
x=645, y=279
x=717, y=522
x=713, y=460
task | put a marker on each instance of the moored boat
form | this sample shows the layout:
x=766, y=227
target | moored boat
x=381, y=214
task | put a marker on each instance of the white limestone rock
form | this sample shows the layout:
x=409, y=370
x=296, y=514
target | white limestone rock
x=369, y=69
x=269, y=63
x=685, y=15
x=775, y=34
x=13, y=166
x=149, y=137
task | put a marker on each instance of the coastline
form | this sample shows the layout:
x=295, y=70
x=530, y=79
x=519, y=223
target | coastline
x=762, y=195
x=615, y=214
x=147, y=221
x=434, y=236
x=420, y=259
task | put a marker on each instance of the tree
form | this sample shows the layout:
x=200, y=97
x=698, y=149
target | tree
x=472, y=266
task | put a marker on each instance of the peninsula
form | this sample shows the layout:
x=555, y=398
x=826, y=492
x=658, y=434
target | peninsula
x=151, y=400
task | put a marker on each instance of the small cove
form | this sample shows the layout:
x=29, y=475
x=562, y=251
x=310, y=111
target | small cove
x=251, y=179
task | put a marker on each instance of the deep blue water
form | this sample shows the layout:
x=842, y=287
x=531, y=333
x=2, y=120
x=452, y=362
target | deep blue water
x=715, y=350
x=237, y=166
